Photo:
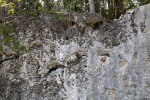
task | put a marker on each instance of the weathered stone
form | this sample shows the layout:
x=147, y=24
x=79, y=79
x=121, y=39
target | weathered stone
x=81, y=62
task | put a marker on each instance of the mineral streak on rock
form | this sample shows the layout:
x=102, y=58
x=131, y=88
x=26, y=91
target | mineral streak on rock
x=83, y=61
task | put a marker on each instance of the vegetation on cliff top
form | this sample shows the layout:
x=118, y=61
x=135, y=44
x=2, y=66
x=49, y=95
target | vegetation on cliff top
x=11, y=10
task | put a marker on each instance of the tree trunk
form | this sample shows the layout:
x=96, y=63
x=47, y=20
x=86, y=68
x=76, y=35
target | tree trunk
x=85, y=6
x=97, y=6
x=92, y=7
x=119, y=7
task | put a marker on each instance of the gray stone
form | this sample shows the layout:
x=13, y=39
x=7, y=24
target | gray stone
x=110, y=61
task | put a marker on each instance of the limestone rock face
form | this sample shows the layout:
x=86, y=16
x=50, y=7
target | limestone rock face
x=109, y=62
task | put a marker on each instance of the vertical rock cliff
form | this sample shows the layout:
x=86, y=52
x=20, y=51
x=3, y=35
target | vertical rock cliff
x=84, y=58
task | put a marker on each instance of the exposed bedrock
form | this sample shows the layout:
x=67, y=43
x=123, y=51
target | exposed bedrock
x=79, y=60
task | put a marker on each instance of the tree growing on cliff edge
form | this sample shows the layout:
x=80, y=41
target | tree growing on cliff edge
x=109, y=9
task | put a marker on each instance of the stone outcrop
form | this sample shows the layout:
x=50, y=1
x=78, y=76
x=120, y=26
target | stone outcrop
x=110, y=61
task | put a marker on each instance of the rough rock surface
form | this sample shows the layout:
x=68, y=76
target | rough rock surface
x=109, y=62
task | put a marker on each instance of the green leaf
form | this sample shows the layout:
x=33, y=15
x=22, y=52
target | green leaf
x=1, y=47
x=1, y=31
x=7, y=28
x=3, y=4
x=11, y=11
x=23, y=48
x=7, y=40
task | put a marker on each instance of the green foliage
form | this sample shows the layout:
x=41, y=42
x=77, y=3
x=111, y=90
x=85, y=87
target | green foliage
x=74, y=5
x=109, y=9
x=60, y=16
x=69, y=4
x=19, y=47
x=8, y=39
x=10, y=6
x=1, y=47
x=34, y=7
x=143, y=2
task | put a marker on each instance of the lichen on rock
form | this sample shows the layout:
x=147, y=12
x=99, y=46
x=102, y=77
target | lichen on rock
x=81, y=58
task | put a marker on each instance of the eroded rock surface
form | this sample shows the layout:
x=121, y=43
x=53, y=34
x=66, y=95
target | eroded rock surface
x=108, y=62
